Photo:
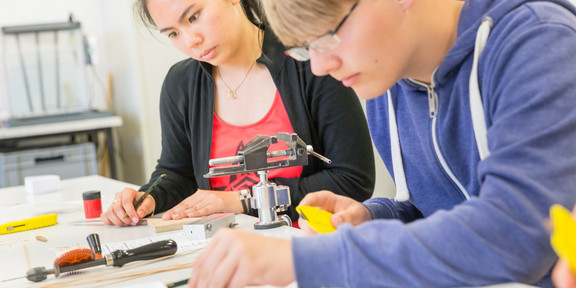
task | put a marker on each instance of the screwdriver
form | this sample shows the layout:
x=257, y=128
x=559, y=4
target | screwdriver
x=117, y=258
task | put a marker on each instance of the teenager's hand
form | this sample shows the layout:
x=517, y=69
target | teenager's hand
x=239, y=259
x=562, y=275
x=205, y=202
x=121, y=212
x=345, y=210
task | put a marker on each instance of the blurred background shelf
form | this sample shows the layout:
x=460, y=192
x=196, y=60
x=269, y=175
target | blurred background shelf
x=47, y=136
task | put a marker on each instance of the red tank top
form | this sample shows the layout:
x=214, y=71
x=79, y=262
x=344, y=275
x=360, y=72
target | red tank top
x=227, y=139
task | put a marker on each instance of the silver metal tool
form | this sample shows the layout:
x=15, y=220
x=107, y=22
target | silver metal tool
x=267, y=197
x=207, y=226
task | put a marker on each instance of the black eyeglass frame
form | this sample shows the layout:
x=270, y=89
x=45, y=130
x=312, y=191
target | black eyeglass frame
x=301, y=53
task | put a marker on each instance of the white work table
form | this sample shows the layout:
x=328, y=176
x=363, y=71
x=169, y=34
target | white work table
x=72, y=230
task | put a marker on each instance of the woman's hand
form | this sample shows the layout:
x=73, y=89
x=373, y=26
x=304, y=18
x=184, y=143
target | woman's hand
x=345, y=210
x=205, y=202
x=239, y=259
x=122, y=213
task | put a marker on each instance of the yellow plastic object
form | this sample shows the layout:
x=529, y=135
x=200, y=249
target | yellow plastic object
x=563, y=237
x=28, y=224
x=318, y=219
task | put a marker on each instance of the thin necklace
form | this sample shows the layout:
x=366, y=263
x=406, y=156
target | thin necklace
x=232, y=92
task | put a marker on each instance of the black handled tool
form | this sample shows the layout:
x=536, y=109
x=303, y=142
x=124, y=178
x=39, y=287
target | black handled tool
x=117, y=258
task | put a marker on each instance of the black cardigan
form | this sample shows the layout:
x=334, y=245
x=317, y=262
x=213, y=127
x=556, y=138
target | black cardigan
x=323, y=112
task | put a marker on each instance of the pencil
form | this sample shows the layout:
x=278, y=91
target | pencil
x=177, y=284
x=139, y=201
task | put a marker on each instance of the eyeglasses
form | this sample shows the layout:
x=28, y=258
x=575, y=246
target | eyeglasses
x=321, y=44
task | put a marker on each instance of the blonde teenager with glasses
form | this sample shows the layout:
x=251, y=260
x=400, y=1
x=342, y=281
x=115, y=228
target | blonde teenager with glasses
x=238, y=83
x=473, y=110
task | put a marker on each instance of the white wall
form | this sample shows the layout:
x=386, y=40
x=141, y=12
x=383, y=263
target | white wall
x=137, y=60
x=155, y=55
x=24, y=12
x=94, y=16
x=138, y=63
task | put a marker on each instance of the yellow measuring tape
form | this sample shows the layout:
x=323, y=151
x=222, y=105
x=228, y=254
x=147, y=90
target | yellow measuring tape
x=28, y=224
x=318, y=219
x=563, y=237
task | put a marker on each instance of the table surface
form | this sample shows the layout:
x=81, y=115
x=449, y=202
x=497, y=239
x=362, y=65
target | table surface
x=72, y=230
x=60, y=127
x=21, y=251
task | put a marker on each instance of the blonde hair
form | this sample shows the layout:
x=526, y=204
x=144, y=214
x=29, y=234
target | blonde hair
x=295, y=21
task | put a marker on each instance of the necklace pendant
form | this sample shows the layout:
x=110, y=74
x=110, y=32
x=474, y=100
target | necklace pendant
x=232, y=94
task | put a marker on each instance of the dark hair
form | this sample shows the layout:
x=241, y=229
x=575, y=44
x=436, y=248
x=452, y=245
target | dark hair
x=254, y=12
x=141, y=11
x=252, y=9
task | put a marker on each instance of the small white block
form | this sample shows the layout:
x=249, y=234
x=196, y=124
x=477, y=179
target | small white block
x=35, y=185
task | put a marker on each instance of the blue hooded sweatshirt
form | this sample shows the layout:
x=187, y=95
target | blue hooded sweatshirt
x=469, y=222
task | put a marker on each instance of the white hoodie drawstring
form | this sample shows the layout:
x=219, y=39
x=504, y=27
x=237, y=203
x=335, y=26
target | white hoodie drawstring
x=476, y=106
x=402, y=192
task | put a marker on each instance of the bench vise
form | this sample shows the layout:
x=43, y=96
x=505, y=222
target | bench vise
x=267, y=197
